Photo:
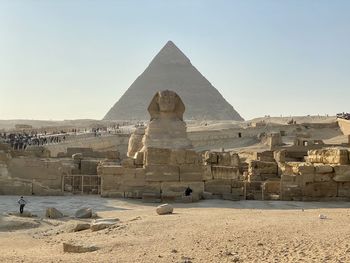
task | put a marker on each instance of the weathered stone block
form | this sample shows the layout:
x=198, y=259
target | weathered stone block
x=329, y=156
x=303, y=168
x=89, y=166
x=235, y=161
x=207, y=174
x=162, y=173
x=320, y=189
x=128, y=163
x=323, y=168
x=323, y=177
x=344, y=189
x=191, y=172
x=260, y=167
x=211, y=157
x=192, y=157
x=178, y=156
x=342, y=173
x=218, y=186
x=224, y=159
x=139, y=157
x=157, y=156
x=270, y=187
x=225, y=172
x=303, y=179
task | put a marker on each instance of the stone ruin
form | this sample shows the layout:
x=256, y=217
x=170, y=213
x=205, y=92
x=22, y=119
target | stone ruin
x=161, y=165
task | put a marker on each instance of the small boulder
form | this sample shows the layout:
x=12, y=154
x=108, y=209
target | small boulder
x=164, y=209
x=320, y=216
x=100, y=224
x=24, y=214
x=80, y=226
x=53, y=213
x=84, y=213
x=73, y=248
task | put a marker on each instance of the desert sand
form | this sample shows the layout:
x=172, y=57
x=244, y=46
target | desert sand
x=207, y=231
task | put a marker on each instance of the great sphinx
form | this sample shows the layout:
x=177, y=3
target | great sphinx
x=166, y=128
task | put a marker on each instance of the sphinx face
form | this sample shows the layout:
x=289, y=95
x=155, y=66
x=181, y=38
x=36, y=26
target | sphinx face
x=167, y=101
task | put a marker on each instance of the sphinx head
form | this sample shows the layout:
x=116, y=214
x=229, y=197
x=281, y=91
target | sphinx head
x=168, y=103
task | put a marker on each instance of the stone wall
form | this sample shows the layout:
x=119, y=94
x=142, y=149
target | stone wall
x=115, y=142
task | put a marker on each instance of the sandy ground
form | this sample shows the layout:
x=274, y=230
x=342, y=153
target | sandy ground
x=207, y=231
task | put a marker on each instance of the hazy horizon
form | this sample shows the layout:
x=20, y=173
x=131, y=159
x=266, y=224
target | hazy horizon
x=74, y=59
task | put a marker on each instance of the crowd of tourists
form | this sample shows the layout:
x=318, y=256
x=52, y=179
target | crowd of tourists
x=344, y=115
x=20, y=141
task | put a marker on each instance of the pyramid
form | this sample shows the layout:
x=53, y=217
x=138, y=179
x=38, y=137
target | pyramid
x=172, y=70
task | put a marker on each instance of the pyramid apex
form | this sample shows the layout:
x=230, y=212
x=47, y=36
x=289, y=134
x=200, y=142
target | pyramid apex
x=170, y=54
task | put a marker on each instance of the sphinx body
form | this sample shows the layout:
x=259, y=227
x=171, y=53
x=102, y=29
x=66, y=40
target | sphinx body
x=166, y=128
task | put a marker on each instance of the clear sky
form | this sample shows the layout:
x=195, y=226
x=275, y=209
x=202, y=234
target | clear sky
x=74, y=59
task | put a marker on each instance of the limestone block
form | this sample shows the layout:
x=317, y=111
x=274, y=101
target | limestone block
x=260, y=167
x=192, y=157
x=303, y=168
x=303, y=179
x=178, y=156
x=320, y=189
x=83, y=213
x=79, y=226
x=323, y=177
x=342, y=173
x=207, y=174
x=270, y=187
x=225, y=172
x=77, y=248
x=157, y=156
x=253, y=186
x=112, y=155
x=53, y=213
x=238, y=191
x=280, y=156
x=224, y=159
x=329, y=156
x=89, y=166
x=164, y=209
x=110, y=169
x=128, y=162
x=103, y=223
x=286, y=168
x=218, y=186
x=291, y=192
x=323, y=168
x=344, y=189
x=235, y=161
x=139, y=157
x=191, y=172
x=211, y=157
x=162, y=173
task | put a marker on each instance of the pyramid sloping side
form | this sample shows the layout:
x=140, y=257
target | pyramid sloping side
x=171, y=70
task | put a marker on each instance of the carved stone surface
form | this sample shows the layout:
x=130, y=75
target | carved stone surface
x=166, y=128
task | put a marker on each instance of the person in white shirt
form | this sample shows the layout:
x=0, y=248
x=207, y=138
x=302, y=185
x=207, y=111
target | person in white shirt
x=21, y=203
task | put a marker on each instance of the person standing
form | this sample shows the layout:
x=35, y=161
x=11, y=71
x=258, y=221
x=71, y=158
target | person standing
x=21, y=203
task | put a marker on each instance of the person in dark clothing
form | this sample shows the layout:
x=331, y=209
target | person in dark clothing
x=21, y=203
x=188, y=191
